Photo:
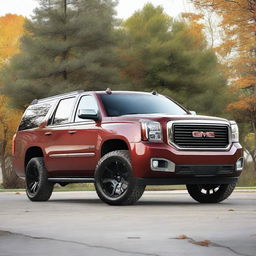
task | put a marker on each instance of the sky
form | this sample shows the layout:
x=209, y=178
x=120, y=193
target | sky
x=124, y=10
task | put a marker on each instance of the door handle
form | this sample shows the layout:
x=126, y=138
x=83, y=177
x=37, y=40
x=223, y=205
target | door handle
x=71, y=132
x=48, y=134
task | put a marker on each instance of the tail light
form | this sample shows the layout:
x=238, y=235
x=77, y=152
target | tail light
x=13, y=144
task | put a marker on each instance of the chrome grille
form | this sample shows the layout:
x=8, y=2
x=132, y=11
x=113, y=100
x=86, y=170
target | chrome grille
x=182, y=135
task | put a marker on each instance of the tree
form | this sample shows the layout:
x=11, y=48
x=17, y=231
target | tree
x=239, y=44
x=69, y=45
x=172, y=56
x=11, y=29
x=9, y=119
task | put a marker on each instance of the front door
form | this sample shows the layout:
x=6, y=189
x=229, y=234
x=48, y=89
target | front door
x=71, y=147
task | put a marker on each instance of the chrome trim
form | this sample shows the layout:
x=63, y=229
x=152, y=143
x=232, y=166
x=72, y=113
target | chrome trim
x=72, y=180
x=198, y=122
x=72, y=155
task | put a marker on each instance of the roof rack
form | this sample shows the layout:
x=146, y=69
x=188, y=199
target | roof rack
x=36, y=101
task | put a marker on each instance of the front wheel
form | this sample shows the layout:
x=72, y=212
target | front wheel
x=38, y=186
x=114, y=182
x=210, y=193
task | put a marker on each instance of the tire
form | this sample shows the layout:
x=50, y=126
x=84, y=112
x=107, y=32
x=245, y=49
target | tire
x=38, y=188
x=211, y=193
x=114, y=182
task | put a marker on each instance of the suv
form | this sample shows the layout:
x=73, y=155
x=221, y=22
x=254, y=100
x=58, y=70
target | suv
x=122, y=141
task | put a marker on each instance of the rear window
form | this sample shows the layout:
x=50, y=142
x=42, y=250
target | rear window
x=34, y=116
x=132, y=104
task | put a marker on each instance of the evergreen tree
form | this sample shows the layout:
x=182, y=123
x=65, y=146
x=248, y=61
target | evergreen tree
x=69, y=45
x=172, y=57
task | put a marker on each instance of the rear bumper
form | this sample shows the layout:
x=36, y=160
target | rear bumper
x=188, y=164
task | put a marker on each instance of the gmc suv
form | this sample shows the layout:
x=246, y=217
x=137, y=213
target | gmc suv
x=122, y=141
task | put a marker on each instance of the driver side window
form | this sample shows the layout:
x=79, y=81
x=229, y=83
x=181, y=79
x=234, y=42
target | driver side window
x=86, y=102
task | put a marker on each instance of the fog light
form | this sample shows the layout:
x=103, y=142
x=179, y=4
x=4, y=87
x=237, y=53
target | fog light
x=155, y=164
x=162, y=165
x=240, y=164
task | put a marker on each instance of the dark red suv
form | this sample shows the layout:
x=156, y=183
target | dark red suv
x=123, y=141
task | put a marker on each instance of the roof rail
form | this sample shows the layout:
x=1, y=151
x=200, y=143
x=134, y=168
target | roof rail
x=56, y=96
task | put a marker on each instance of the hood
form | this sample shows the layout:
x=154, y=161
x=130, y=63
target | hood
x=165, y=118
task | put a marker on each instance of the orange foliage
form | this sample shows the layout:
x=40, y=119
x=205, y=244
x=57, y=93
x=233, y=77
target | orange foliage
x=238, y=21
x=9, y=119
x=11, y=29
x=195, y=29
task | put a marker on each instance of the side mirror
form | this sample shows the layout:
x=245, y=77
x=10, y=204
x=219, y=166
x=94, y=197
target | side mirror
x=193, y=113
x=88, y=114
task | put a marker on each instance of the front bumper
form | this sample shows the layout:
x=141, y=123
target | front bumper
x=188, y=164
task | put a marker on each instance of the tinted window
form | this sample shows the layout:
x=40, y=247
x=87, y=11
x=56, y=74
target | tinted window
x=125, y=104
x=86, y=102
x=34, y=116
x=64, y=111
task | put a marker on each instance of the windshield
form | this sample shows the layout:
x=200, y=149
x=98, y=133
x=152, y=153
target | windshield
x=131, y=104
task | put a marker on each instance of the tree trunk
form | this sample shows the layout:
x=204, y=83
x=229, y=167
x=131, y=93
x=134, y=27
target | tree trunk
x=10, y=178
x=65, y=73
x=3, y=171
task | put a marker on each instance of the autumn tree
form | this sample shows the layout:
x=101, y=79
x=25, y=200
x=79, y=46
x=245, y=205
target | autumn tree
x=9, y=119
x=11, y=29
x=238, y=21
x=69, y=45
x=172, y=57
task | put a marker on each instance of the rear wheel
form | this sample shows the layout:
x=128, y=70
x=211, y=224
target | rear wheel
x=210, y=193
x=114, y=182
x=38, y=187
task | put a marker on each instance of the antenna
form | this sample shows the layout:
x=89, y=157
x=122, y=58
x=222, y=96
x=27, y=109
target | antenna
x=108, y=91
x=154, y=92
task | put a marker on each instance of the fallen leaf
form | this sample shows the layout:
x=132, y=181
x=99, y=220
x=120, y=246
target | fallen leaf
x=182, y=237
x=17, y=193
x=205, y=243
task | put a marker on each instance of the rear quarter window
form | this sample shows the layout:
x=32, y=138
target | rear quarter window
x=34, y=116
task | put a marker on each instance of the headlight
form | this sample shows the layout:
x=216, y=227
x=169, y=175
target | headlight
x=235, y=131
x=151, y=131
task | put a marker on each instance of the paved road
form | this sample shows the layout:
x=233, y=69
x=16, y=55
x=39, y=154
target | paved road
x=78, y=223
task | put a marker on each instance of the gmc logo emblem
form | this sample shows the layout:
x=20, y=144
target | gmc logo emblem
x=199, y=134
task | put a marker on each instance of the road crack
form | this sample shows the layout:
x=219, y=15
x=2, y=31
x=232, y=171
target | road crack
x=8, y=233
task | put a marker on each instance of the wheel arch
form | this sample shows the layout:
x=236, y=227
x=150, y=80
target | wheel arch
x=112, y=145
x=31, y=152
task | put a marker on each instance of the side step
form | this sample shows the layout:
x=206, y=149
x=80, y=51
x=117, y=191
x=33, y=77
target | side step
x=71, y=180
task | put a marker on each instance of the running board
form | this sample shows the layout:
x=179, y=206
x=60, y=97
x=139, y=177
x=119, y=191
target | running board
x=71, y=180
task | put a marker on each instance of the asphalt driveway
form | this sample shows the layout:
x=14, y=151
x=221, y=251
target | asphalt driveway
x=162, y=223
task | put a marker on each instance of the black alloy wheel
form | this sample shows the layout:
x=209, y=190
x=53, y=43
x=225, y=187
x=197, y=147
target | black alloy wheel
x=114, y=178
x=210, y=193
x=38, y=187
x=32, y=179
x=114, y=182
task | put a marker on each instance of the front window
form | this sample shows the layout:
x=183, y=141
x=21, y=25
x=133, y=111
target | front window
x=132, y=104
x=86, y=102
